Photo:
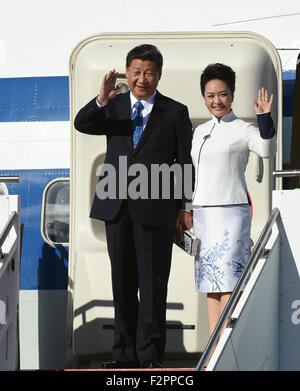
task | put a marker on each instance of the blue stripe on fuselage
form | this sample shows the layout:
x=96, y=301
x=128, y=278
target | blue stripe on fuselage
x=47, y=98
x=34, y=99
x=42, y=266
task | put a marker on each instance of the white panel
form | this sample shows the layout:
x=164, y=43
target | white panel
x=42, y=329
x=34, y=145
x=267, y=333
x=224, y=349
x=256, y=335
x=254, y=340
x=288, y=202
x=29, y=330
x=9, y=285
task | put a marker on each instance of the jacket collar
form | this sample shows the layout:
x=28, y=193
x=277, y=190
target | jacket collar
x=145, y=102
x=156, y=114
x=226, y=118
x=123, y=108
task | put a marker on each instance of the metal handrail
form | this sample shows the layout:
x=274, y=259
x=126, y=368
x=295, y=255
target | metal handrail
x=286, y=173
x=256, y=254
x=8, y=258
x=12, y=219
x=5, y=178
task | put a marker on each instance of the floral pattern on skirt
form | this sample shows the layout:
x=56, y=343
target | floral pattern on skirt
x=224, y=249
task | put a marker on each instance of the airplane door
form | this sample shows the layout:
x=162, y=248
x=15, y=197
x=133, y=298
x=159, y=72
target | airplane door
x=257, y=64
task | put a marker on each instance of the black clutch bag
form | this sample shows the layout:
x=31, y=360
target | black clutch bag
x=190, y=243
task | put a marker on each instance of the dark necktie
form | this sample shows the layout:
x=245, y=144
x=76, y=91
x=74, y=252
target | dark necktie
x=137, y=123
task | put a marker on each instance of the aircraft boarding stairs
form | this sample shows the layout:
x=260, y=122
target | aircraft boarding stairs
x=9, y=276
x=262, y=317
x=263, y=322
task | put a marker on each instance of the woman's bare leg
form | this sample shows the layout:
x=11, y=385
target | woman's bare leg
x=216, y=303
x=213, y=310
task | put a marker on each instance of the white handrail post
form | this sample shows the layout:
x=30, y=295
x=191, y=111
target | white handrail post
x=9, y=281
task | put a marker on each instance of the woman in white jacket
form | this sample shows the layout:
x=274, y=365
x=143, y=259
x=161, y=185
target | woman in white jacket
x=221, y=210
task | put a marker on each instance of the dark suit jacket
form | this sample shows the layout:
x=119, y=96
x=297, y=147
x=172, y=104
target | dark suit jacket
x=166, y=140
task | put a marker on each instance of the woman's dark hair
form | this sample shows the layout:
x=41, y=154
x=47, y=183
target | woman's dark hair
x=218, y=71
x=145, y=52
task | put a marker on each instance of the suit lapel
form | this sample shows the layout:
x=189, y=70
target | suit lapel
x=123, y=106
x=155, y=116
x=123, y=110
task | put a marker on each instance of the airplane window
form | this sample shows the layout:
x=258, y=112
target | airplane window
x=56, y=212
x=121, y=79
x=3, y=189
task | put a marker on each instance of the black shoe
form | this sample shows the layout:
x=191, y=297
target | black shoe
x=120, y=364
x=151, y=364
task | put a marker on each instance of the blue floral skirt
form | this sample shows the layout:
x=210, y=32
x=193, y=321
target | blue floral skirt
x=224, y=232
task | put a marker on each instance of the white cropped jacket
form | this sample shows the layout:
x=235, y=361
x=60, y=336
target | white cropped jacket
x=220, y=153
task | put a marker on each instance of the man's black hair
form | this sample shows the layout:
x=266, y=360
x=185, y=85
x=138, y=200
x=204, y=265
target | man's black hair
x=145, y=52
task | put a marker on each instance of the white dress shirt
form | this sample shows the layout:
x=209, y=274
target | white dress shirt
x=220, y=153
x=147, y=103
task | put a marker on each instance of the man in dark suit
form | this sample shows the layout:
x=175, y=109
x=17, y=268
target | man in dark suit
x=143, y=129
